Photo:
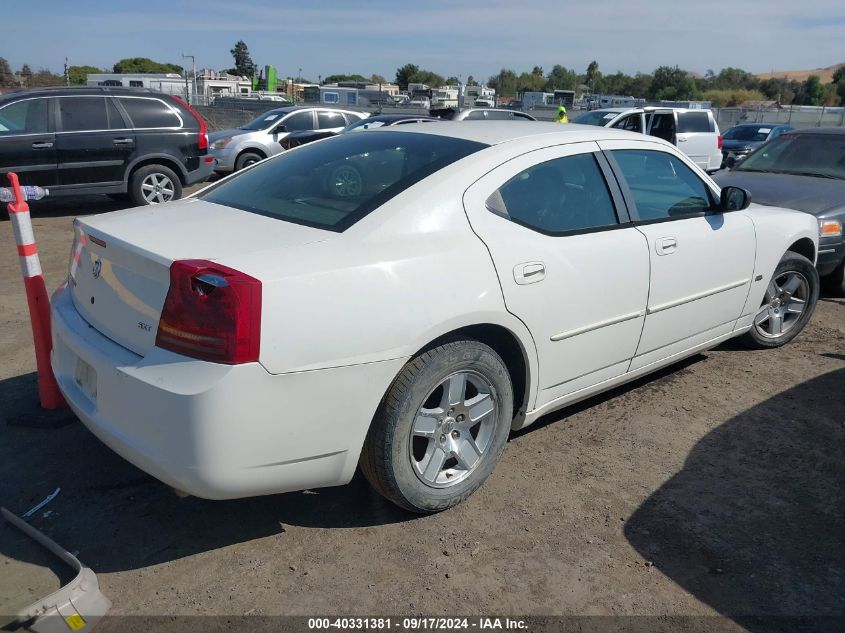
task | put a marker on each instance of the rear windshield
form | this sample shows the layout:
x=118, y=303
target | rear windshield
x=336, y=182
x=748, y=133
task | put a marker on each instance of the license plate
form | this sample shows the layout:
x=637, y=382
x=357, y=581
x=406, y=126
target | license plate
x=85, y=377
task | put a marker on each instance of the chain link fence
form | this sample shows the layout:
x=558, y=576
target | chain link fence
x=795, y=116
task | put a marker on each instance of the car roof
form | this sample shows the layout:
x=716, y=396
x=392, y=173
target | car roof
x=762, y=124
x=496, y=132
x=398, y=117
x=60, y=91
x=832, y=131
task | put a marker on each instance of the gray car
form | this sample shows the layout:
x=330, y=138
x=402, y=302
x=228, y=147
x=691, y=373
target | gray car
x=804, y=170
x=259, y=139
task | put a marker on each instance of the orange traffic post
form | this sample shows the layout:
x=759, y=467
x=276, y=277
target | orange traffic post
x=36, y=296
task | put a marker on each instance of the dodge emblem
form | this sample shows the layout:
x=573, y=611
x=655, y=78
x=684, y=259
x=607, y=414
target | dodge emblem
x=98, y=265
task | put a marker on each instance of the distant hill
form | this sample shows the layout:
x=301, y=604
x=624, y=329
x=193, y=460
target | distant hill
x=825, y=74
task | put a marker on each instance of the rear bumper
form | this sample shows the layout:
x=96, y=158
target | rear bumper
x=216, y=431
x=204, y=171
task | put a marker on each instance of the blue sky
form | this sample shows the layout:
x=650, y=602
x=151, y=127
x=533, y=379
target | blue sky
x=472, y=37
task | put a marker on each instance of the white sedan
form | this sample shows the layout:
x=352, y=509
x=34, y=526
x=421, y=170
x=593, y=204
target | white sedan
x=402, y=299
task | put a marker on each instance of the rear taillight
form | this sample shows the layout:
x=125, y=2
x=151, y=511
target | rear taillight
x=202, y=135
x=211, y=312
x=719, y=141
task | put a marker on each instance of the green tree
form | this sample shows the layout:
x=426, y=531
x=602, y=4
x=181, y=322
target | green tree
x=7, y=78
x=45, y=77
x=144, y=65
x=839, y=74
x=428, y=78
x=452, y=81
x=592, y=75
x=404, y=74
x=812, y=92
x=333, y=79
x=377, y=79
x=561, y=78
x=504, y=83
x=672, y=83
x=471, y=81
x=79, y=74
x=244, y=66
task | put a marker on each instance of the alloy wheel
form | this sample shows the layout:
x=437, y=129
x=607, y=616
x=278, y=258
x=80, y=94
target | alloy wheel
x=784, y=303
x=453, y=429
x=157, y=188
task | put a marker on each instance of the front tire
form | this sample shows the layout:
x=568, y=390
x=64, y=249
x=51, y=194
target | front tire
x=154, y=184
x=441, y=428
x=246, y=159
x=788, y=303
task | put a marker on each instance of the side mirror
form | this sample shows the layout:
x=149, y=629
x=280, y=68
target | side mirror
x=735, y=199
x=280, y=129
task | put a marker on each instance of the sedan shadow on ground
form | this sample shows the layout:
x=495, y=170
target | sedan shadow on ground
x=754, y=522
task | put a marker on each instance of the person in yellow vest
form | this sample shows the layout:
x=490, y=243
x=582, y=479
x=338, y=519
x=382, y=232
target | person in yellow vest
x=561, y=115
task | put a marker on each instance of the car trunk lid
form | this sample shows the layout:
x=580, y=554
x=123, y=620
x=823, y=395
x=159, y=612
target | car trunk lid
x=120, y=263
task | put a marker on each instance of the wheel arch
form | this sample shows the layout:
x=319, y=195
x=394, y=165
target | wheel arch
x=805, y=247
x=251, y=150
x=157, y=159
x=510, y=347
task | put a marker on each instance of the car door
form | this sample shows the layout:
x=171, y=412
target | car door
x=571, y=266
x=695, y=138
x=27, y=142
x=702, y=260
x=661, y=123
x=93, y=145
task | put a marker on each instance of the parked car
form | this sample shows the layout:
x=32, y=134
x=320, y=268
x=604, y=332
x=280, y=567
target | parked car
x=125, y=142
x=260, y=138
x=420, y=102
x=481, y=114
x=275, y=331
x=695, y=132
x=740, y=140
x=805, y=170
x=295, y=139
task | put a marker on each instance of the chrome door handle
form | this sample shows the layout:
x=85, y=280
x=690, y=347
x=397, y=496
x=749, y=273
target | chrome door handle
x=666, y=245
x=682, y=140
x=123, y=141
x=529, y=273
x=46, y=145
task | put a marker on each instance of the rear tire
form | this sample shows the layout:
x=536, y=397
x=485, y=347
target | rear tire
x=154, y=184
x=441, y=428
x=246, y=159
x=787, y=306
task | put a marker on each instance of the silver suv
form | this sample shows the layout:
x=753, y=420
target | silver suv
x=258, y=139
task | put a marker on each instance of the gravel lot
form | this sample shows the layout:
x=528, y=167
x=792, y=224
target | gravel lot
x=715, y=487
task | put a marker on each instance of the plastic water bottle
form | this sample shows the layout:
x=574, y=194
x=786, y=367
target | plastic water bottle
x=29, y=193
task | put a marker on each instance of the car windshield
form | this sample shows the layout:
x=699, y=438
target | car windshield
x=821, y=155
x=751, y=133
x=334, y=183
x=264, y=121
x=596, y=117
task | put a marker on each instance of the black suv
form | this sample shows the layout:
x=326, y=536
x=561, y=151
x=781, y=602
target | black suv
x=124, y=142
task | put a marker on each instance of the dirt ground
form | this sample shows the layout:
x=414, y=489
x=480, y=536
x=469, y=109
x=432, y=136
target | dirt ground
x=716, y=487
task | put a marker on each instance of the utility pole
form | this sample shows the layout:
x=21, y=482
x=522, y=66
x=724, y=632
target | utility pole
x=67, y=74
x=194, y=73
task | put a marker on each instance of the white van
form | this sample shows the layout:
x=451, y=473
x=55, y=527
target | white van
x=695, y=132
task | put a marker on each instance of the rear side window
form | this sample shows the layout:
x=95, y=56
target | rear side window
x=149, y=113
x=24, y=117
x=663, y=187
x=558, y=196
x=83, y=114
x=334, y=183
x=693, y=122
x=327, y=120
